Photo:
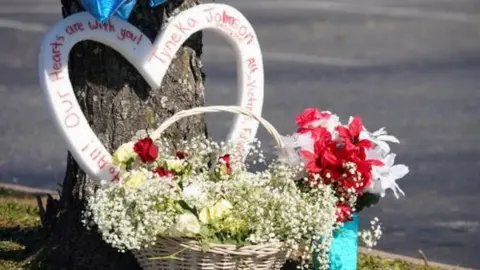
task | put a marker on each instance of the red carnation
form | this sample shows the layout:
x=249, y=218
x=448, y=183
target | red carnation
x=163, y=173
x=146, y=150
x=225, y=160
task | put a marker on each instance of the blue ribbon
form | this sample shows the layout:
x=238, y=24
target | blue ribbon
x=102, y=10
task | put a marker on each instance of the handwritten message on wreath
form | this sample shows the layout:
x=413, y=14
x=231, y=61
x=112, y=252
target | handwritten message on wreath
x=129, y=40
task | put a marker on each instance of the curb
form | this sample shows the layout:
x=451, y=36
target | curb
x=381, y=254
x=25, y=189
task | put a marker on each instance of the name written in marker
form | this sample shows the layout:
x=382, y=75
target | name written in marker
x=231, y=24
x=168, y=51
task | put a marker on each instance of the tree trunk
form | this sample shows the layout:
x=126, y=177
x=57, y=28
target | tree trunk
x=117, y=103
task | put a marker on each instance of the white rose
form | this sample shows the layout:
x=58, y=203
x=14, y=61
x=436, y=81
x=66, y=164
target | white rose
x=216, y=212
x=123, y=154
x=187, y=225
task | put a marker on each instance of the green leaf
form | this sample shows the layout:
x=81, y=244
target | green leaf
x=367, y=200
x=187, y=207
x=129, y=163
x=180, y=184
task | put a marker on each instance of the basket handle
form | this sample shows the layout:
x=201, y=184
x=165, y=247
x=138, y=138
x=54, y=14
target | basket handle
x=233, y=109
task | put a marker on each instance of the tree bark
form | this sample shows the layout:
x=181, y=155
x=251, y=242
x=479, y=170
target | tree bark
x=118, y=102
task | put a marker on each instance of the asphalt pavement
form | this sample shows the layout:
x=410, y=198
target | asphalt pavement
x=410, y=65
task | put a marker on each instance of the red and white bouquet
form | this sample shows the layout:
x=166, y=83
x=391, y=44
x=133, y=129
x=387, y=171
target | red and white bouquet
x=356, y=163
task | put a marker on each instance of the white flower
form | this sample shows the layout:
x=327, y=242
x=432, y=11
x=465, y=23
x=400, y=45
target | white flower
x=304, y=141
x=123, y=154
x=379, y=137
x=216, y=212
x=294, y=143
x=187, y=225
x=385, y=177
x=329, y=122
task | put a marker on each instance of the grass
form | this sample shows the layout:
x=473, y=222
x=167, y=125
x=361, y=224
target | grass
x=21, y=234
x=375, y=262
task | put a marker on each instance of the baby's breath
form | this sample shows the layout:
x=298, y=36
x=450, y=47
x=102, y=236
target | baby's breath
x=371, y=236
x=131, y=218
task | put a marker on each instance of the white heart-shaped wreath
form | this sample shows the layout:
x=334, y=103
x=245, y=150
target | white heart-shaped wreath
x=152, y=61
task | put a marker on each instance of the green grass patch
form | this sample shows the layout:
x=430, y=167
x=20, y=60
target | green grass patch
x=375, y=262
x=16, y=213
x=20, y=231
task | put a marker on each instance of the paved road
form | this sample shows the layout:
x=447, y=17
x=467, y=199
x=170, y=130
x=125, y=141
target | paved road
x=410, y=65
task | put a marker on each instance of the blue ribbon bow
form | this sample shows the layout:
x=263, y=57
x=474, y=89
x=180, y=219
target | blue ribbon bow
x=102, y=10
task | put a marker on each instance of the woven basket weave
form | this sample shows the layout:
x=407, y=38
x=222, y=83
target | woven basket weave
x=188, y=254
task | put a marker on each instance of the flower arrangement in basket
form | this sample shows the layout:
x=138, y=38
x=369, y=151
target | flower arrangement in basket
x=356, y=164
x=196, y=205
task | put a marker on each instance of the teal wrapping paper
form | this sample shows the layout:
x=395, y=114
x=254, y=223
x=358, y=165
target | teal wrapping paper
x=344, y=248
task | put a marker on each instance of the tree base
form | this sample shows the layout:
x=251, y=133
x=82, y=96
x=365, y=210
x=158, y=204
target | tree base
x=71, y=246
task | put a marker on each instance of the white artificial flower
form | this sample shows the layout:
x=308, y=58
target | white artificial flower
x=187, y=225
x=294, y=143
x=304, y=141
x=385, y=177
x=330, y=123
x=375, y=153
x=123, y=154
x=379, y=138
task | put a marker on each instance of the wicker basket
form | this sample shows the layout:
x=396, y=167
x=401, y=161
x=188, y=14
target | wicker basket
x=189, y=256
x=186, y=254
